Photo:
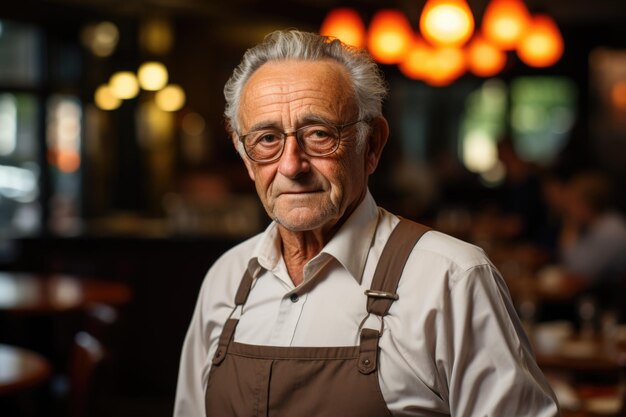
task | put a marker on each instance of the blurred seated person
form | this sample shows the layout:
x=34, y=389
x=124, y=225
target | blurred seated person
x=593, y=235
x=523, y=197
x=521, y=213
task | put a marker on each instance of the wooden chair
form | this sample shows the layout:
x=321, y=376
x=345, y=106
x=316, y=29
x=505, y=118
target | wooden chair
x=87, y=354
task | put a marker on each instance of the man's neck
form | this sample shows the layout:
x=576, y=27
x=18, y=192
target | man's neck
x=299, y=248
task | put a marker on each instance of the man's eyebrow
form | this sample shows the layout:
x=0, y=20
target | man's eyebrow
x=312, y=119
x=303, y=121
x=263, y=125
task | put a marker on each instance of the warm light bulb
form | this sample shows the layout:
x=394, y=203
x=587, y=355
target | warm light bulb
x=124, y=85
x=542, y=45
x=445, y=66
x=505, y=22
x=415, y=64
x=152, y=76
x=101, y=39
x=171, y=98
x=156, y=35
x=484, y=59
x=447, y=22
x=346, y=25
x=390, y=36
x=105, y=99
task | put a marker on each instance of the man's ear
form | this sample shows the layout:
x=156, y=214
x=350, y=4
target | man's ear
x=237, y=144
x=379, y=132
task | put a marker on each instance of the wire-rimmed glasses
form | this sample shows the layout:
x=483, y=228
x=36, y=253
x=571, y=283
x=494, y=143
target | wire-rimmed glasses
x=317, y=139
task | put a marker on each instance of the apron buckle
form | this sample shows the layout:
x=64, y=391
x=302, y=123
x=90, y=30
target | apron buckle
x=381, y=294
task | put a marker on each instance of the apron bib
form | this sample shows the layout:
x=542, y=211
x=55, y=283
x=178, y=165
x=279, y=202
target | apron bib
x=269, y=381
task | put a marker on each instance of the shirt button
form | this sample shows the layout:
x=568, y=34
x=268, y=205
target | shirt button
x=294, y=298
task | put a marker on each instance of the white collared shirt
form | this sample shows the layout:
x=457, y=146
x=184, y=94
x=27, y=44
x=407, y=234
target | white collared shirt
x=452, y=343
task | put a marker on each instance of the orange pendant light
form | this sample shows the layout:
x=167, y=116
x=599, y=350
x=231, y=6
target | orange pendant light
x=415, y=64
x=346, y=25
x=435, y=66
x=542, y=45
x=484, y=59
x=445, y=66
x=447, y=22
x=504, y=22
x=390, y=36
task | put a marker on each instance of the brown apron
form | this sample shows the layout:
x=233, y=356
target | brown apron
x=249, y=380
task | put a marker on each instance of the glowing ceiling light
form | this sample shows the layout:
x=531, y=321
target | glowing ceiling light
x=415, y=64
x=504, y=22
x=152, y=76
x=105, y=99
x=101, y=39
x=484, y=59
x=445, y=66
x=346, y=25
x=390, y=36
x=542, y=45
x=171, y=98
x=447, y=22
x=124, y=85
x=156, y=35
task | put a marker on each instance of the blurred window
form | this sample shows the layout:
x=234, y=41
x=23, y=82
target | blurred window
x=484, y=122
x=64, y=137
x=542, y=112
x=24, y=106
x=20, y=54
x=542, y=116
x=20, y=75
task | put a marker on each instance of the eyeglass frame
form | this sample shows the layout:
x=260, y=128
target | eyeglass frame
x=285, y=134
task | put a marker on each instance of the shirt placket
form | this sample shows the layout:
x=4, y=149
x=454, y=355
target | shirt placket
x=290, y=311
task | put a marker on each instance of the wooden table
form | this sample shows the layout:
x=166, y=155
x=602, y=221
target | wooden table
x=38, y=294
x=21, y=369
x=593, y=369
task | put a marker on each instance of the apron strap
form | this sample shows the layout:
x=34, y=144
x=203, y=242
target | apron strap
x=231, y=324
x=244, y=288
x=391, y=264
x=224, y=342
x=368, y=351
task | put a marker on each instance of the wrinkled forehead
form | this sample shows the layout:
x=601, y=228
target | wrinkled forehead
x=289, y=89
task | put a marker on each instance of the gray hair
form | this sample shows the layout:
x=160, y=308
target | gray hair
x=367, y=80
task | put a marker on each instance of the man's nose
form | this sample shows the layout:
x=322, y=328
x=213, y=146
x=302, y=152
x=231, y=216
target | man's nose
x=293, y=161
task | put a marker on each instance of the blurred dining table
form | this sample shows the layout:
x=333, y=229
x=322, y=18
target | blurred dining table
x=21, y=369
x=30, y=293
x=587, y=371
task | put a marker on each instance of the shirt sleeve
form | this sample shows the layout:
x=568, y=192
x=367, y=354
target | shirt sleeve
x=491, y=369
x=189, y=400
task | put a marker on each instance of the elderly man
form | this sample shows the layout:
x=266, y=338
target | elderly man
x=339, y=308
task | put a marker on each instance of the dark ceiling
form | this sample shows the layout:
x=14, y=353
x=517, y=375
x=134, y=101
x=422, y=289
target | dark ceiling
x=243, y=22
x=296, y=11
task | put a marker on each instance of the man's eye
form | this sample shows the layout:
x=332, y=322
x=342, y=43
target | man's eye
x=317, y=133
x=267, y=138
x=320, y=133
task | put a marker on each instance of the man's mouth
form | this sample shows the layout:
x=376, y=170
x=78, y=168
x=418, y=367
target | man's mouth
x=300, y=192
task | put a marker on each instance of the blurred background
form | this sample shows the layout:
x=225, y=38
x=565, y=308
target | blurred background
x=119, y=186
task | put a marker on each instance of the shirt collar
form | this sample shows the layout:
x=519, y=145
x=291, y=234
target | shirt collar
x=350, y=245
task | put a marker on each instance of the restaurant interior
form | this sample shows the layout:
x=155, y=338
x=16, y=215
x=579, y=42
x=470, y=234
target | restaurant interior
x=119, y=186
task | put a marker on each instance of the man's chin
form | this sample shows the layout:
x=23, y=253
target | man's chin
x=302, y=222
